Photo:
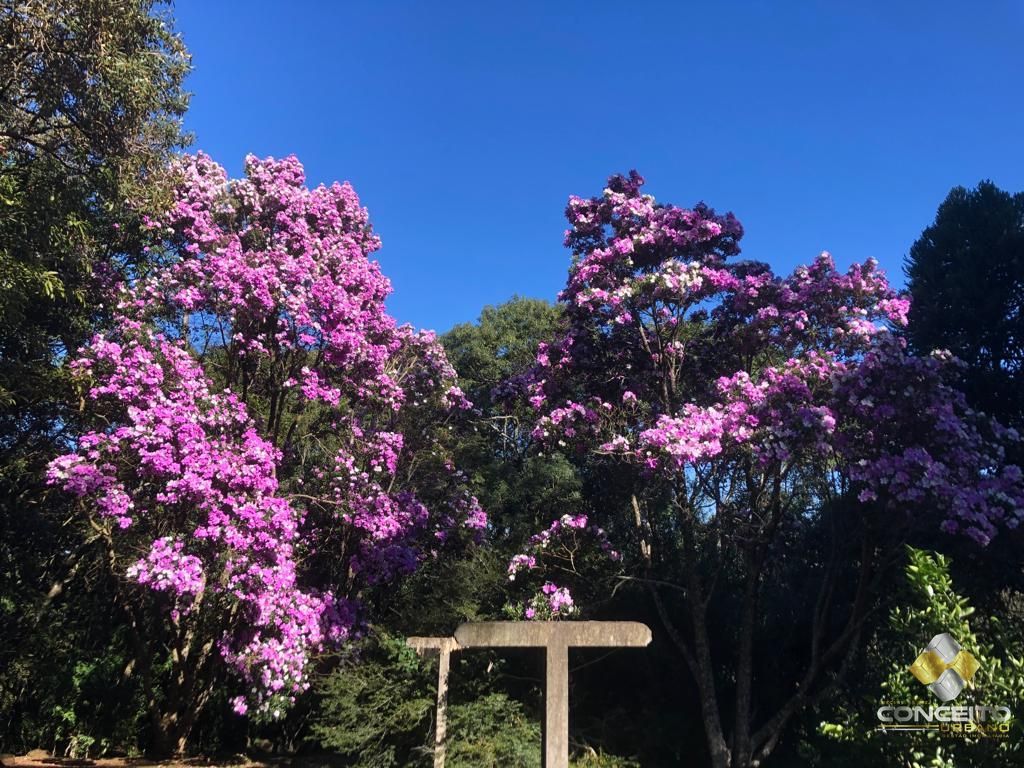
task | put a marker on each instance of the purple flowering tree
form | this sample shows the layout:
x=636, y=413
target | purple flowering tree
x=271, y=449
x=747, y=413
x=565, y=550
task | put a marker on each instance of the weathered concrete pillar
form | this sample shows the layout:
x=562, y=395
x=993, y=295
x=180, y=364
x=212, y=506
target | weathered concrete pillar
x=556, y=707
x=443, y=648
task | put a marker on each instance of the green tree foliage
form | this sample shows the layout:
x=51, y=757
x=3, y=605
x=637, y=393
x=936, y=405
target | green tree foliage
x=966, y=276
x=494, y=732
x=502, y=344
x=521, y=491
x=90, y=105
x=377, y=711
x=91, y=101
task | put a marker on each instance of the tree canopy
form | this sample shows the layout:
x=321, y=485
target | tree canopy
x=232, y=482
x=966, y=276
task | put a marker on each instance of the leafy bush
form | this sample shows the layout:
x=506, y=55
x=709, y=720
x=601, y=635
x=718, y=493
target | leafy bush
x=929, y=604
x=376, y=709
x=493, y=732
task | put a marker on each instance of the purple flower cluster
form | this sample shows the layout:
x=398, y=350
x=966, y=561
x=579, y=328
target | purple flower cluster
x=193, y=454
x=550, y=603
x=278, y=278
x=561, y=545
x=679, y=360
x=919, y=445
x=166, y=568
x=561, y=538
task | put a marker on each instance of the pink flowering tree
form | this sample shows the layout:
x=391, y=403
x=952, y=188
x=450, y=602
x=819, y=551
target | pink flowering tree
x=565, y=551
x=749, y=420
x=271, y=449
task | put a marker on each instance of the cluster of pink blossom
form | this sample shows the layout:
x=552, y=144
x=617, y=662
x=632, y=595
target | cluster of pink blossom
x=277, y=279
x=560, y=539
x=784, y=411
x=266, y=248
x=167, y=568
x=919, y=445
x=622, y=234
x=519, y=563
x=192, y=454
x=273, y=663
x=562, y=544
x=571, y=423
x=550, y=603
x=672, y=361
x=563, y=530
x=398, y=529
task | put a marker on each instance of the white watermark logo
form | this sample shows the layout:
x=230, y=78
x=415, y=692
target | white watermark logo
x=947, y=669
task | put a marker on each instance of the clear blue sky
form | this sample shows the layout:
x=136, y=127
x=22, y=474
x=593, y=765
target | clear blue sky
x=464, y=126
